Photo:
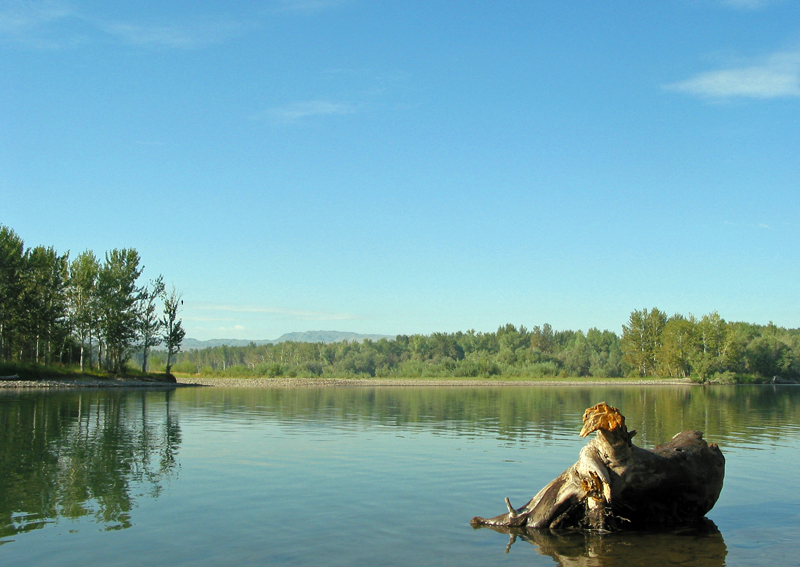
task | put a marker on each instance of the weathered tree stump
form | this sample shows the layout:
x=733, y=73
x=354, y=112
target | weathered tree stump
x=617, y=485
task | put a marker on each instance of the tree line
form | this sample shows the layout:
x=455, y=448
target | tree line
x=710, y=347
x=88, y=311
x=96, y=313
x=651, y=344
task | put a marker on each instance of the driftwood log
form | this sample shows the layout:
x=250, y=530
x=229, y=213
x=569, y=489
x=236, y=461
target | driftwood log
x=617, y=485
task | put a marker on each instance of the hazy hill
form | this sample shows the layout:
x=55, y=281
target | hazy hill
x=305, y=337
x=328, y=337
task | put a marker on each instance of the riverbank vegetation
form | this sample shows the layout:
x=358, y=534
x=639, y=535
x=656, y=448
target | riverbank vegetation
x=651, y=345
x=56, y=313
x=87, y=315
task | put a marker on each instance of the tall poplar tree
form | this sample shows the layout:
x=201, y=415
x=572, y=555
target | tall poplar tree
x=678, y=346
x=173, y=327
x=149, y=323
x=11, y=267
x=82, y=299
x=43, y=300
x=641, y=340
x=117, y=296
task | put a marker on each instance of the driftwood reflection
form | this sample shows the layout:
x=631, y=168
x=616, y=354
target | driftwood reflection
x=698, y=545
x=83, y=454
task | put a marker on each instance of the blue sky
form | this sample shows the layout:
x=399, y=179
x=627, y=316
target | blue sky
x=412, y=167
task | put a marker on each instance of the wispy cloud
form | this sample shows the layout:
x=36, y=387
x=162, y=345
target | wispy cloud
x=776, y=76
x=290, y=313
x=19, y=16
x=177, y=35
x=298, y=111
x=52, y=24
x=228, y=329
x=34, y=23
x=197, y=319
x=747, y=4
x=760, y=225
x=307, y=6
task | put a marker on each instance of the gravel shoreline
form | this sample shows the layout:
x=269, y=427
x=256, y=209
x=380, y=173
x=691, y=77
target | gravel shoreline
x=193, y=381
x=85, y=383
x=368, y=382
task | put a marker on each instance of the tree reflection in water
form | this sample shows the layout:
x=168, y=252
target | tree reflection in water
x=699, y=545
x=75, y=454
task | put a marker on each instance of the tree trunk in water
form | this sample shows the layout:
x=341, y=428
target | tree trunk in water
x=617, y=485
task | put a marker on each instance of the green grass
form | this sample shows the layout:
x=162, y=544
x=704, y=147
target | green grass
x=32, y=371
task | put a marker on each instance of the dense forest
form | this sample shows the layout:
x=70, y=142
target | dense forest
x=652, y=344
x=57, y=311
x=96, y=314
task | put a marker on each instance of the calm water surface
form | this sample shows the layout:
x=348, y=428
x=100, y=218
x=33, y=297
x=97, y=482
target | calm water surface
x=367, y=476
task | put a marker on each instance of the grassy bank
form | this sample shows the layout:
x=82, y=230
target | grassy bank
x=32, y=372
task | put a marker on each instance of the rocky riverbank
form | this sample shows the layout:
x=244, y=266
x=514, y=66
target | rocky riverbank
x=6, y=382
x=368, y=382
x=189, y=381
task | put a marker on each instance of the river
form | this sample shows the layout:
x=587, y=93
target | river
x=367, y=476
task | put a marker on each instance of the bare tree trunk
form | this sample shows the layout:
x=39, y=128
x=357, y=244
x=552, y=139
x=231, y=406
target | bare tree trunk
x=61, y=351
x=616, y=484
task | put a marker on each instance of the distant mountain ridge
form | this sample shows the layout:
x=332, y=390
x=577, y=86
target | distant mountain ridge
x=304, y=337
